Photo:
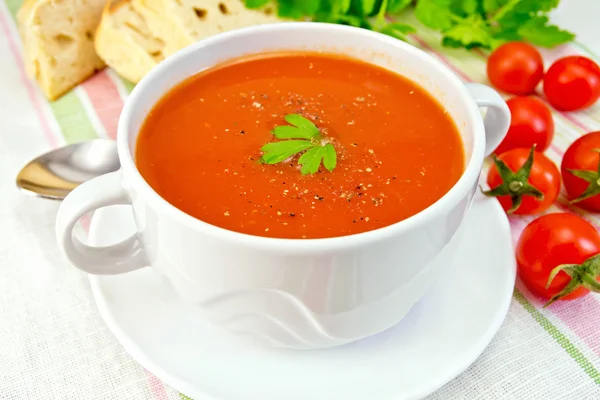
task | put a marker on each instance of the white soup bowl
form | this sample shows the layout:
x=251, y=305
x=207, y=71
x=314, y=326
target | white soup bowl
x=290, y=293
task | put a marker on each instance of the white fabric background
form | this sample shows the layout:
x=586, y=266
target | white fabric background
x=54, y=345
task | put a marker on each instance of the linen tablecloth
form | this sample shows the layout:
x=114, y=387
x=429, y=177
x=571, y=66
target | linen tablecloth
x=54, y=345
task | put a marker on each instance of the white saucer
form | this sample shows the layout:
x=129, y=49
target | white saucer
x=440, y=337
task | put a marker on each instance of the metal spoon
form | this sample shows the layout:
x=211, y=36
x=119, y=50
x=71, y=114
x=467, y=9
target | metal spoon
x=54, y=174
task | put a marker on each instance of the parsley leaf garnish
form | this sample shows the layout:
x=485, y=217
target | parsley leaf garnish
x=252, y=4
x=468, y=33
x=305, y=137
x=435, y=14
x=277, y=152
x=538, y=32
x=462, y=23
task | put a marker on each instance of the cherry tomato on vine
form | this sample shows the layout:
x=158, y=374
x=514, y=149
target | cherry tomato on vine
x=524, y=181
x=531, y=124
x=572, y=83
x=558, y=257
x=580, y=170
x=516, y=68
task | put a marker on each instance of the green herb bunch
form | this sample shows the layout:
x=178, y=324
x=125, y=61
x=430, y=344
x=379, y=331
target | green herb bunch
x=463, y=23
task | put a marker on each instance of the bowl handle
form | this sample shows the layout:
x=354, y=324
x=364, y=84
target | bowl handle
x=497, y=117
x=103, y=191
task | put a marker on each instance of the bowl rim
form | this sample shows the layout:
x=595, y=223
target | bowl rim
x=458, y=191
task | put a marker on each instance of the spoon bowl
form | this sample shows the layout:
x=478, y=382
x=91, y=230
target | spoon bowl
x=56, y=173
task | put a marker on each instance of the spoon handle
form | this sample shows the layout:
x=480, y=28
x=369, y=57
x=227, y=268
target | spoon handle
x=105, y=190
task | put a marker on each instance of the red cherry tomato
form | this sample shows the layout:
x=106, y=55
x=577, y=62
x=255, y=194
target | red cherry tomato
x=572, y=83
x=520, y=191
x=556, y=239
x=531, y=124
x=579, y=170
x=515, y=68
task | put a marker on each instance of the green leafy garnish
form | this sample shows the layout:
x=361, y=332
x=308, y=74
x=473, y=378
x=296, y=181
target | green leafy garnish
x=304, y=137
x=252, y=4
x=463, y=23
x=539, y=32
x=435, y=14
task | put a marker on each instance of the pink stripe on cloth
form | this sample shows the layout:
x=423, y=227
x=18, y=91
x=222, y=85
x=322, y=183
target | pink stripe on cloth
x=565, y=208
x=581, y=316
x=159, y=392
x=106, y=101
x=567, y=116
x=31, y=91
x=517, y=224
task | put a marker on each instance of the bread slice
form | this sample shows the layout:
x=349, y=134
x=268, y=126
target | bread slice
x=125, y=43
x=58, y=42
x=135, y=35
x=180, y=23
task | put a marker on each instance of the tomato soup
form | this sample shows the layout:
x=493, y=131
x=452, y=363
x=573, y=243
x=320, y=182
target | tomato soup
x=397, y=150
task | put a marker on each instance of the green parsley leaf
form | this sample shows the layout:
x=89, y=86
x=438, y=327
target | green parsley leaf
x=276, y=152
x=538, y=32
x=491, y=6
x=253, y=4
x=339, y=7
x=330, y=157
x=506, y=9
x=534, y=6
x=447, y=42
x=397, y=30
x=311, y=160
x=368, y=6
x=300, y=122
x=297, y=9
x=464, y=7
x=470, y=32
x=382, y=6
x=435, y=14
x=306, y=138
x=292, y=132
x=494, y=22
x=517, y=12
x=351, y=20
x=395, y=6
x=362, y=8
x=505, y=35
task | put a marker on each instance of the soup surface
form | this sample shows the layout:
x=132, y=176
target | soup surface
x=397, y=150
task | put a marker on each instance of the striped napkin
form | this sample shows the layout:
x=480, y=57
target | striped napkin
x=54, y=345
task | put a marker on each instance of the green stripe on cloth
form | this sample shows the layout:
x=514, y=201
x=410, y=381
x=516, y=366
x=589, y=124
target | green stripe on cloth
x=72, y=118
x=559, y=337
x=128, y=85
x=68, y=110
x=13, y=6
x=184, y=397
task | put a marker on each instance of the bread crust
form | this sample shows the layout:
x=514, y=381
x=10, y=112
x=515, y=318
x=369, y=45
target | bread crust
x=135, y=35
x=125, y=42
x=58, y=42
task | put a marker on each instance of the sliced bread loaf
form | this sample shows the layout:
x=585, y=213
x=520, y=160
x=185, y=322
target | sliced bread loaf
x=180, y=23
x=125, y=43
x=58, y=42
x=135, y=35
